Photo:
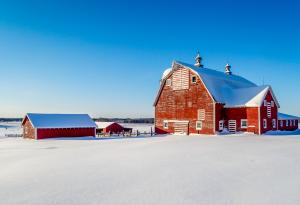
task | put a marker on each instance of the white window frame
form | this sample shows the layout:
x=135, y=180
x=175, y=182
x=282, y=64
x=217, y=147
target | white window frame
x=281, y=123
x=221, y=125
x=265, y=103
x=272, y=103
x=200, y=123
x=265, y=124
x=193, y=76
x=244, y=120
x=291, y=124
x=287, y=123
x=274, y=123
x=169, y=82
x=166, y=125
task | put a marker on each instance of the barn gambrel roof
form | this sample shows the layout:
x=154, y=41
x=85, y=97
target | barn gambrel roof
x=230, y=90
x=60, y=120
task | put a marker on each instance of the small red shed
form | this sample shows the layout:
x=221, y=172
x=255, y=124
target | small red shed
x=111, y=127
x=41, y=126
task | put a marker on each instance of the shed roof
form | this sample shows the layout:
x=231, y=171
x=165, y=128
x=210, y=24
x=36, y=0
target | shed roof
x=39, y=120
x=102, y=125
x=282, y=116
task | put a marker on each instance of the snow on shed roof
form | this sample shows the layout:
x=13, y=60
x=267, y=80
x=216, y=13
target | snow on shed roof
x=232, y=90
x=60, y=120
x=282, y=116
x=104, y=124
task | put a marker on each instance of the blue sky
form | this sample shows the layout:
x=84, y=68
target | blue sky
x=106, y=58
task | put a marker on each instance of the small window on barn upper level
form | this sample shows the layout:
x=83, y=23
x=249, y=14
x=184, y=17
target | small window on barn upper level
x=194, y=79
x=272, y=103
x=169, y=82
x=244, y=123
x=265, y=103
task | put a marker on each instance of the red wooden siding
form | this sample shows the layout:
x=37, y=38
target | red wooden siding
x=65, y=132
x=28, y=130
x=113, y=128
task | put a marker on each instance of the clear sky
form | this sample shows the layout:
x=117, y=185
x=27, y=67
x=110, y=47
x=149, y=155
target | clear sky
x=106, y=58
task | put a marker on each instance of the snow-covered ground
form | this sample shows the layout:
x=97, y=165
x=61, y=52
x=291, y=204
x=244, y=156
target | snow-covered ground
x=227, y=170
x=10, y=128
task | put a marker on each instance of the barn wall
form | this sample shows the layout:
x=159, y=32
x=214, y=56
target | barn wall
x=65, y=132
x=219, y=115
x=264, y=115
x=28, y=130
x=237, y=114
x=184, y=105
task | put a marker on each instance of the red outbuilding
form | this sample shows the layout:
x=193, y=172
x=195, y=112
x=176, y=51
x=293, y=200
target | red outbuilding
x=111, y=128
x=41, y=126
x=199, y=100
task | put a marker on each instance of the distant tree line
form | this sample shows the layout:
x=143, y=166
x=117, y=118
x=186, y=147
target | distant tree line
x=10, y=119
x=125, y=120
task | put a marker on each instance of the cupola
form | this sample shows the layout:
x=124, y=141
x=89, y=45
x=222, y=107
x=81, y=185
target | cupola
x=228, y=69
x=198, y=60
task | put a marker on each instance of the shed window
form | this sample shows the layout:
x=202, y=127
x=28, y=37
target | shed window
x=287, y=123
x=194, y=79
x=265, y=123
x=199, y=125
x=281, y=123
x=166, y=125
x=274, y=123
x=244, y=123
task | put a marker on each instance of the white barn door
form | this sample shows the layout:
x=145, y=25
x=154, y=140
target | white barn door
x=232, y=126
x=181, y=128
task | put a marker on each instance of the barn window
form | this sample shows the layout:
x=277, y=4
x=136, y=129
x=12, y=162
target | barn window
x=274, y=123
x=272, y=103
x=199, y=125
x=291, y=122
x=221, y=125
x=166, y=125
x=287, y=123
x=169, y=82
x=265, y=123
x=201, y=114
x=281, y=123
x=265, y=102
x=194, y=79
x=244, y=123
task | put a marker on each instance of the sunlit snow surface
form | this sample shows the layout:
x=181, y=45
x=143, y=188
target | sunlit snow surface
x=229, y=169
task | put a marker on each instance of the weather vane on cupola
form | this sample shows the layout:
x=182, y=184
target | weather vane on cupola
x=198, y=60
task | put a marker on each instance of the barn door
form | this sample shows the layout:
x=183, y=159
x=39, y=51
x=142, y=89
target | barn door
x=181, y=128
x=232, y=126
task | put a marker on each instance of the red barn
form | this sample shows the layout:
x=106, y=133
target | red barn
x=41, y=126
x=194, y=99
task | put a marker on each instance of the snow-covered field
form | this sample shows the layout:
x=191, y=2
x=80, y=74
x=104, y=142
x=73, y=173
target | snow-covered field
x=229, y=169
x=239, y=169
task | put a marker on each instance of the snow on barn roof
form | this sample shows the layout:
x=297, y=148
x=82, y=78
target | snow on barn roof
x=232, y=90
x=60, y=120
x=104, y=124
x=282, y=116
